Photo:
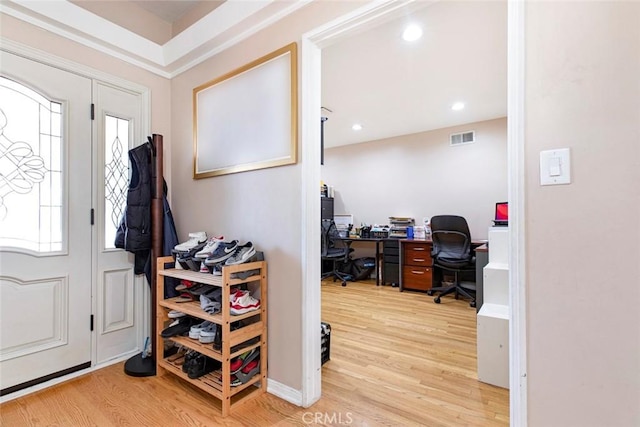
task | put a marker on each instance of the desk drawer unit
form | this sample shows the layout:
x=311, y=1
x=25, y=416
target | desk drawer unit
x=417, y=266
x=416, y=278
x=391, y=262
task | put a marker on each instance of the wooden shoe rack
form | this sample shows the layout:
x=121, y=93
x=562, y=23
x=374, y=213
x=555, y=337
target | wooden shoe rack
x=217, y=383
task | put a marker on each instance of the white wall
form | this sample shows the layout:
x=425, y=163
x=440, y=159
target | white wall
x=263, y=206
x=421, y=175
x=583, y=239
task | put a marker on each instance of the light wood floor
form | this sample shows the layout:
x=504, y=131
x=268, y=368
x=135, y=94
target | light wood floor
x=397, y=359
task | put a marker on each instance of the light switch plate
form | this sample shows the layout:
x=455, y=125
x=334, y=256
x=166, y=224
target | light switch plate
x=555, y=167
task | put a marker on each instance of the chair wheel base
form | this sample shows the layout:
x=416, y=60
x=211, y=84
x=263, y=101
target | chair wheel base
x=436, y=300
x=430, y=292
x=344, y=283
x=472, y=304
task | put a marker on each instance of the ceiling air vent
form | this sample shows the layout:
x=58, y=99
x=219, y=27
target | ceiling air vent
x=462, y=138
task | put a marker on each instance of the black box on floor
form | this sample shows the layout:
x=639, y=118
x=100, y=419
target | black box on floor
x=325, y=342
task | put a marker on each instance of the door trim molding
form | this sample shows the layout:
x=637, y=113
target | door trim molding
x=516, y=60
x=312, y=43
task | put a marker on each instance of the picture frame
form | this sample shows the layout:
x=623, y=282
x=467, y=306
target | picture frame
x=247, y=119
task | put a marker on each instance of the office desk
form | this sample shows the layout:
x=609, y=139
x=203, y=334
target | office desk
x=416, y=271
x=378, y=241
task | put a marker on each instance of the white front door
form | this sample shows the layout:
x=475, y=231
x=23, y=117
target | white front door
x=45, y=221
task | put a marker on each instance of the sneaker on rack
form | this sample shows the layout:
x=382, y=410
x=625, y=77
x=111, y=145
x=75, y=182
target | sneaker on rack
x=222, y=252
x=217, y=269
x=209, y=247
x=242, y=302
x=174, y=314
x=208, y=334
x=242, y=254
x=195, y=238
x=204, y=268
x=194, y=332
x=258, y=256
x=202, y=365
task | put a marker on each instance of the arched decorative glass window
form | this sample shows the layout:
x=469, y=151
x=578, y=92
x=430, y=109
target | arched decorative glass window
x=31, y=175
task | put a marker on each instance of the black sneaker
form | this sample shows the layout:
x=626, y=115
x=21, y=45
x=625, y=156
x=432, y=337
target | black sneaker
x=202, y=365
x=189, y=359
x=224, y=251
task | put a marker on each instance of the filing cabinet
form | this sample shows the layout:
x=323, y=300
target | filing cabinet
x=417, y=265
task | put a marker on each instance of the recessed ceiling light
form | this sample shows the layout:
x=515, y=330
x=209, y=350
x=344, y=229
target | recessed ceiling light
x=356, y=126
x=412, y=33
x=458, y=106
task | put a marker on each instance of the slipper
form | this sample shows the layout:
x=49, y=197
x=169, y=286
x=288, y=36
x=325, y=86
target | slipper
x=184, y=284
x=179, y=327
x=250, y=366
x=178, y=355
x=241, y=361
x=242, y=377
x=184, y=297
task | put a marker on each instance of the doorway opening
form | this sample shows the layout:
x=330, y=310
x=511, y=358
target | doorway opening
x=312, y=45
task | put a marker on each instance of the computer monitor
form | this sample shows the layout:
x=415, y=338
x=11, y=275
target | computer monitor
x=501, y=214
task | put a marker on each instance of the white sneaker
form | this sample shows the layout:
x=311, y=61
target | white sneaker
x=211, y=246
x=242, y=254
x=242, y=302
x=195, y=239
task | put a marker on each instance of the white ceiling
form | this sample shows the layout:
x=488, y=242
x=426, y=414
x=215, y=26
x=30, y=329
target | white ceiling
x=371, y=77
x=169, y=11
x=392, y=87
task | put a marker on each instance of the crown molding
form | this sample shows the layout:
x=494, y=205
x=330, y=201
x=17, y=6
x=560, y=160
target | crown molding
x=201, y=41
x=214, y=24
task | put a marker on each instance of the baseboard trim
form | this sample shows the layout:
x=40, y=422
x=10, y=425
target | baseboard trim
x=280, y=390
x=59, y=380
x=284, y=392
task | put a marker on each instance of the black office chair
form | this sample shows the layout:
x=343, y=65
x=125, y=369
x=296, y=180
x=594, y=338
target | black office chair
x=452, y=252
x=335, y=250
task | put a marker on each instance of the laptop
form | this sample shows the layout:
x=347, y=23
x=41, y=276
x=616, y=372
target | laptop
x=501, y=214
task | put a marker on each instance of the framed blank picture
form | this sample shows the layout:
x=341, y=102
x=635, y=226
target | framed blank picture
x=247, y=119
